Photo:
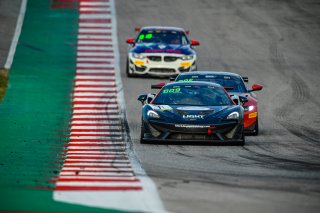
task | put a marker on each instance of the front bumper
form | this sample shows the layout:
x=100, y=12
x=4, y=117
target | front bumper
x=227, y=132
x=161, y=65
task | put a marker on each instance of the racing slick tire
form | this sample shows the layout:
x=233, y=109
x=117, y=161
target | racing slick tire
x=142, y=131
x=128, y=70
x=256, y=128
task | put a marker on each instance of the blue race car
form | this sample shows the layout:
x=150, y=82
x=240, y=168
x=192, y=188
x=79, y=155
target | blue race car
x=192, y=111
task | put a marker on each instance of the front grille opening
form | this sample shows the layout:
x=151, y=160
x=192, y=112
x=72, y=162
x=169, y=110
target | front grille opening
x=162, y=70
x=170, y=58
x=154, y=58
x=200, y=137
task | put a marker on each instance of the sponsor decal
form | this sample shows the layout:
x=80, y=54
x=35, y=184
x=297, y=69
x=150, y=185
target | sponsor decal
x=173, y=90
x=163, y=51
x=164, y=107
x=253, y=115
x=139, y=62
x=193, y=116
x=185, y=64
x=191, y=126
x=193, y=108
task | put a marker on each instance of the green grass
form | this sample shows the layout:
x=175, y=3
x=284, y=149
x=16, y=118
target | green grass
x=3, y=82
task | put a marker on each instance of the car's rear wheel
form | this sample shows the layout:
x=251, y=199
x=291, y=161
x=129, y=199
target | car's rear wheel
x=142, y=131
x=128, y=70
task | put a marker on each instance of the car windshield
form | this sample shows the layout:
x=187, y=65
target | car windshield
x=193, y=95
x=233, y=83
x=162, y=36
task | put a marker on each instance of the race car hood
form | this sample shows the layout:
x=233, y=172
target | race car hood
x=194, y=114
x=162, y=48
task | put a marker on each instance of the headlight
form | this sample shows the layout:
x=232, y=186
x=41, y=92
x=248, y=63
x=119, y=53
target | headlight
x=233, y=115
x=187, y=57
x=248, y=108
x=138, y=56
x=152, y=114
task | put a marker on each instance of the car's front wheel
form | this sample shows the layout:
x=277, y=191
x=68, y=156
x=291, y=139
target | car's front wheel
x=129, y=74
x=142, y=131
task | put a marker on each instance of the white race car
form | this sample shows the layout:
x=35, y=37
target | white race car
x=161, y=51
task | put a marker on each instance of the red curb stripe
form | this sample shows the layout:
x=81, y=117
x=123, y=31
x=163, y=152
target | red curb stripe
x=96, y=180
x=95, y=68
x=83, y=20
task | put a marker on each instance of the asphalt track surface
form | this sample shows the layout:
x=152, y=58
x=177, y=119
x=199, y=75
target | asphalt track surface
x=276, y=44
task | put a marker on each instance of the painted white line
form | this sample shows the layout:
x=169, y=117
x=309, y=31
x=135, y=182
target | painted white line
x=93, y=66
x=105, y=9
x=88, y=89
x=90, y=183
x=75, y=132
x=95, y=156
x=96, y=116
x=95, y=77
x=98, y=160
x=79, y=54
x=97, y=122
x=95, y=105
x=94, y=42
x=94, y=4
x=88, y=71
x=106, y=99
x=96, y=178
x=95, y=111
x=94, y=83
x=95, y=144
x=96, y=127
x=128, y=174
x=16, y=35
x=95, y=16
x=83, y=24
x=93, y=48
x=105, y=37
x=96, y=152
x=98, y=149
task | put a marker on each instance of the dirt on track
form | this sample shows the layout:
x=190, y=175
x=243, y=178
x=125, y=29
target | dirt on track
x=274, y=43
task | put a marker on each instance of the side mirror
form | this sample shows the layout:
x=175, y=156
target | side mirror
x=243, y=100
x=239, y=99
x=195, y=43
x=235, y=99
x=256, y=87
x=245, y=79
x=130, y=41
x=171, y=78
x=150, y=97
x=158, y=85
x=142, y=98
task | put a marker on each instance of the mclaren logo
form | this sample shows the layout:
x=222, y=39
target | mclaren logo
x=192, y=116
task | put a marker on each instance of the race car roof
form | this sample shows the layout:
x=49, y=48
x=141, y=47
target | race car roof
x=186, y=83
x=210, y=73
x=162, y=28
